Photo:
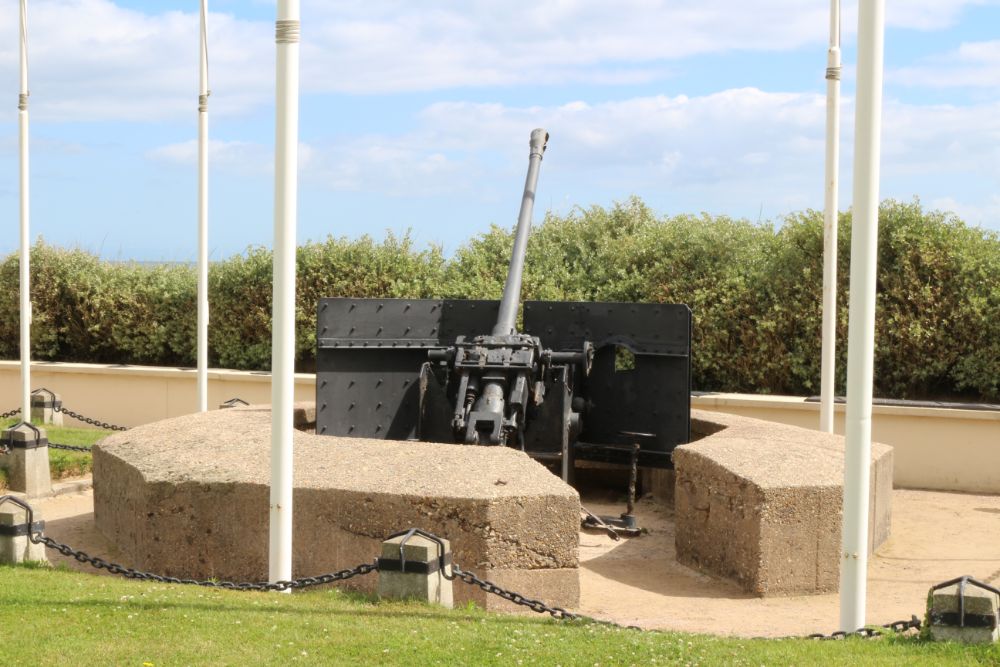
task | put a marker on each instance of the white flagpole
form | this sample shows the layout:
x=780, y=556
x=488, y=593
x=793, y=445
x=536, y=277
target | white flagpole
x=283, y=322
x=203, y=94
x=861, y=329
x=25, y=276
x=828, y=372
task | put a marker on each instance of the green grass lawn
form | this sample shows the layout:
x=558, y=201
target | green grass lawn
x=62, y=464
x=55, y=617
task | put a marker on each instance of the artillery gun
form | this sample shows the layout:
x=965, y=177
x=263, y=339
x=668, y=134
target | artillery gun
x=606, y=382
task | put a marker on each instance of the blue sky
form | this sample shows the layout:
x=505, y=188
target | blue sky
x=415, y=115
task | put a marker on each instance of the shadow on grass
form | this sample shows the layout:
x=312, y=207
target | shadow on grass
x=373, y=611
x=321, y=602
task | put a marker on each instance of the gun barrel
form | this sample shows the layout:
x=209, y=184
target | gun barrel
x=511, y=299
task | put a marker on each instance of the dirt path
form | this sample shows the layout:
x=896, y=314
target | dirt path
x=935, y=536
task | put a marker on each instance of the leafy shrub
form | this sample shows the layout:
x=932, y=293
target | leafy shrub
x=755, y=290
x=85, y=309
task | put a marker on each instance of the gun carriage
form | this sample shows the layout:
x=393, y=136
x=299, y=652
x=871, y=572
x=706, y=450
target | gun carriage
x=578, y=381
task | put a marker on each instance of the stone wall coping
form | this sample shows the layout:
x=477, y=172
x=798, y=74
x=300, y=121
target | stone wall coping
x=724, y=400
x=173, y=451
x=164, y=372
x=769, y=454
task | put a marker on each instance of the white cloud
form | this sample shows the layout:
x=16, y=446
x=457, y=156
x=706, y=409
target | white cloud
x=9, y=145
x=92, y=59
x=388, y=168
x=986, y=213
x=943, y=139
x=95, y=60
x=483, y=42
x=927, y=14
x=244, y=157
x=642, y=142
x=741, y=145
x=391, y=46
x=971, y=65
x=685, y=139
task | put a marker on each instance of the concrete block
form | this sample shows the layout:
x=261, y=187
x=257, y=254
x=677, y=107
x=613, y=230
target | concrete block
x=760, y=503
x=431, y=585
x=659, y=483
x=189, y=497
x=28, y=461
x=18, y=549
x=44, y=405
x=982, y=611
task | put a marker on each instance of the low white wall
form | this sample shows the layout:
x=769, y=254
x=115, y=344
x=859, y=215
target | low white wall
x=133, y=395
x=935, y=448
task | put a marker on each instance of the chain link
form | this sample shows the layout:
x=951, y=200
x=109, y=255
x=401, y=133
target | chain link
x=93, y=422
x=4, y=449
x=869, y=632
x=518, y=599
x=55, y=445
x=130, y=573
x=562, y=614
x=366, y=568
x=69, y=448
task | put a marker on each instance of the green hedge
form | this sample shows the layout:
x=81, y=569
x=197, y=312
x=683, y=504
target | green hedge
x=755, y=289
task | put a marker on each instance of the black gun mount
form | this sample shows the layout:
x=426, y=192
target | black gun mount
x=571, y=385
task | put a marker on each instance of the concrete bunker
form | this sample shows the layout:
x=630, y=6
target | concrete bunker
x=755, y=502
x=188, y=497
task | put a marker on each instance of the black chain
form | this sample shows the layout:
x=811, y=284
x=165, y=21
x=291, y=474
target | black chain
x=130, y=573
x=69, y=448
x=534, y=605
x=562, y=614
x=869, y=632
x=53, y=445
x=366, y=568
x=93, y=422
x=4, y=449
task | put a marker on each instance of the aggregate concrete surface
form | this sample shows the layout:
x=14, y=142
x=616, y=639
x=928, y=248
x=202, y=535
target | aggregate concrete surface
x=201, y=481
x=173, y=450
x=759, y=503
x=936, y=536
